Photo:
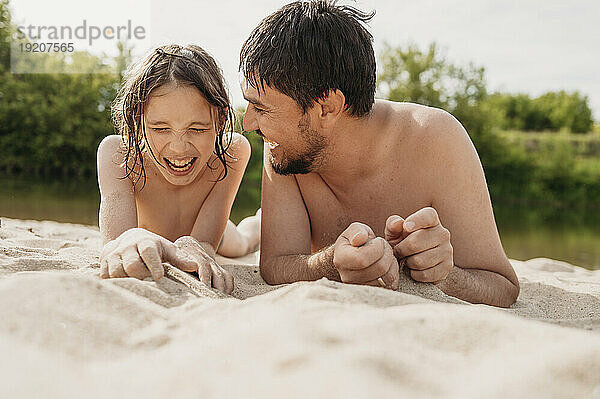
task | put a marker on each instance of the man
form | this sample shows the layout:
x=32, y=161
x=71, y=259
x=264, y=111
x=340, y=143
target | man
x=353, y=186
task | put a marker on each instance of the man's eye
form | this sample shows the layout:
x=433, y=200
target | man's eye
x=259, y=110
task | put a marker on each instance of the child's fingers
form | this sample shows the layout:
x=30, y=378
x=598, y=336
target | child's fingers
x=177, y=257
x=184, y=261
x=133, y=264
x=115, y=266
x=218, y=277
x=109, y=247
x=229, y=286
x=149, y=253
x=104, y=269
x=205, y=274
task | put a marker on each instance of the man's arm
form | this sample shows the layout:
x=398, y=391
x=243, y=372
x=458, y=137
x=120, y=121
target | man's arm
x=285, y=255
x=480, y=286
x=482, y=272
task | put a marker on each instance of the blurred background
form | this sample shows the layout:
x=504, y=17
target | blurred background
x=522, y=77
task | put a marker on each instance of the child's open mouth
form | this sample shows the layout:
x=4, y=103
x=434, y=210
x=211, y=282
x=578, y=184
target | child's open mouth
x=180, y=167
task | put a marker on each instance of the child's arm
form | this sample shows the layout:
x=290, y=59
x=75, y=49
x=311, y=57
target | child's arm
x=214, y=214
x=118, y=211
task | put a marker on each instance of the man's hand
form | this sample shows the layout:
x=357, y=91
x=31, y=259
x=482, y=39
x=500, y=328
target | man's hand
x=423, y=242
x=362, y=258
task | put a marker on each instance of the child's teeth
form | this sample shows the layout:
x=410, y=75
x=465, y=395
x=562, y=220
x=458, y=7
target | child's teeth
x=180, y=164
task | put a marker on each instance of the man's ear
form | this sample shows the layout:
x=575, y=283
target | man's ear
x=331, y=108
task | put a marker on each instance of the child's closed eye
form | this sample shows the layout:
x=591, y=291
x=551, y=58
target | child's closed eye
x=198, y=130
x=169, y=130
x=160, y=129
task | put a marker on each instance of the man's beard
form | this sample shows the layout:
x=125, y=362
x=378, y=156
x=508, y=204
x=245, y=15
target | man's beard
x=308, y=160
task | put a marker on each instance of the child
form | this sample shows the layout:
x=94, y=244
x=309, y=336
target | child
x=173, y=172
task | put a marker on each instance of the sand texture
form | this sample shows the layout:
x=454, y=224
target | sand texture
x=64, y=332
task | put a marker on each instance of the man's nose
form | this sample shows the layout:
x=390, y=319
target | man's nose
x=249, y=123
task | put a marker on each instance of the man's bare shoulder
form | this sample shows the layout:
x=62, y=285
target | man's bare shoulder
x=414, y=116
x=424, y=125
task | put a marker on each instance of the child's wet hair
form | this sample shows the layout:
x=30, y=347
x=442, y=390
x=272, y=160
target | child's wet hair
x=183, y=65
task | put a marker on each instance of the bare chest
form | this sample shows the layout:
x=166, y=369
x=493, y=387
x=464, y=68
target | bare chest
x=370, y=202
x=170, y=212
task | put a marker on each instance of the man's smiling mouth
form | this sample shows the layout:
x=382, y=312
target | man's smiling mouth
x=270, y=143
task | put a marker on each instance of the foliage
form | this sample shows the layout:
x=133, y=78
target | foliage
x=552, y=111
x=52, y=122
x=7, y=30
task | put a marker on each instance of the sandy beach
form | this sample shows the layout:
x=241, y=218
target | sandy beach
x=67, y=333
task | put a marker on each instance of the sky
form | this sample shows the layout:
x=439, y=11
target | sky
x=526, y=46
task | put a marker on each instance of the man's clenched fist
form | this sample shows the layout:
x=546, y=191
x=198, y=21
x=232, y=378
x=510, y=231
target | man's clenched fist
x=362, y=258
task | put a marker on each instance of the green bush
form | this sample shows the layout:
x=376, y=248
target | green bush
x=552, y=111
x=52, y=122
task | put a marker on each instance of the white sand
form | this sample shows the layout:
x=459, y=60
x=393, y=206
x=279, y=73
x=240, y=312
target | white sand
x=64, y=332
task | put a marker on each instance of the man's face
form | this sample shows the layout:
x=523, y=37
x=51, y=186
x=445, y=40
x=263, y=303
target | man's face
x=180, y=131
x=294, y=146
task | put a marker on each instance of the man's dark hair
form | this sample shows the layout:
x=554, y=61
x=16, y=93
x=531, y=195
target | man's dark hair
x=307, y=48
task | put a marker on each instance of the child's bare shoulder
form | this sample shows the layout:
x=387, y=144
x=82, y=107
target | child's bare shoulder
x=110, y=158
x=240, y=146
x=110, y=150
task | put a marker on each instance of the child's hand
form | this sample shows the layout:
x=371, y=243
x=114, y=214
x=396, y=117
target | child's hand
x=209, y=271
x=140, y=253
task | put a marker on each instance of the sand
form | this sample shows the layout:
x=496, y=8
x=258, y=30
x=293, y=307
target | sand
x=64, y=332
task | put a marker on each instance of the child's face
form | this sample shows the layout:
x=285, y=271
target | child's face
x=180, y=131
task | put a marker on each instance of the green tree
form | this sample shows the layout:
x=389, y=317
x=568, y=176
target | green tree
x=52, y=123
x=6, y=34
x=551, y=111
